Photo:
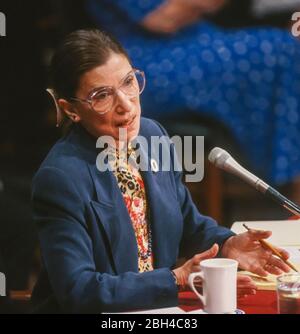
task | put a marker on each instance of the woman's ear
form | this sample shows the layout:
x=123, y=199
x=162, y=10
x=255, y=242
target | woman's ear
x=69, y=110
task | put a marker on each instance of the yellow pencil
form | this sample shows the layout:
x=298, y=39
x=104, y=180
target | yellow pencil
x=266, y=245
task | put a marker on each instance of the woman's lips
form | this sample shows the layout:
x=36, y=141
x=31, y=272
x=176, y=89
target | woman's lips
x=126, y=124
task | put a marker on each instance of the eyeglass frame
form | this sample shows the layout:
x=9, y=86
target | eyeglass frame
x=95, y=90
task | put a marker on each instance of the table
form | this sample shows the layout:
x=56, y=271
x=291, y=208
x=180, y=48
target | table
x=264, y=302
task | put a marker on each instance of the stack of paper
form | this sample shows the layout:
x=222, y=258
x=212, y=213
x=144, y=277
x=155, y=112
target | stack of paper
x=265, y=283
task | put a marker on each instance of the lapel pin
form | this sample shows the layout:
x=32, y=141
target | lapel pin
x=154, y=166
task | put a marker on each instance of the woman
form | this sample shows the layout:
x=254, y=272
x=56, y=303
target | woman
x=247, y=79
x=110, y=239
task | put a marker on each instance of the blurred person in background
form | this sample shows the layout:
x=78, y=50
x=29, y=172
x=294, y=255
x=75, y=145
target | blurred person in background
x=247, y=78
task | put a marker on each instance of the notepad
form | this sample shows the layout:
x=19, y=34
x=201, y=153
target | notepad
x=265, y=283
x=262, y=283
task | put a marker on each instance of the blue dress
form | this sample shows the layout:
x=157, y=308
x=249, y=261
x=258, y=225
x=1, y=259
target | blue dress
x=248, y=79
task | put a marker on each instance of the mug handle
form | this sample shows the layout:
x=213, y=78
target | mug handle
x=191, y=284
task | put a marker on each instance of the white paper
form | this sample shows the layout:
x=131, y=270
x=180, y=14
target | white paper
x=294, y=254
x=167, y=310
x=284, y=232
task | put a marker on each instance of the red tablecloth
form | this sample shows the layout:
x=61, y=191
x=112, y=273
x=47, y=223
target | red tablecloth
x=264, y=302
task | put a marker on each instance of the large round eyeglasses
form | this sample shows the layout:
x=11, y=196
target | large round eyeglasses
x=101, y=99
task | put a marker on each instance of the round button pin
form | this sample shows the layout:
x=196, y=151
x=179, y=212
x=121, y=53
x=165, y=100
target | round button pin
x=154, y=165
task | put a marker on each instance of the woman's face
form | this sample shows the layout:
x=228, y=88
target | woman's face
x=125, y=111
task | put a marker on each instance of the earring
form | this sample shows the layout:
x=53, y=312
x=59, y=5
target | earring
x=59, y=113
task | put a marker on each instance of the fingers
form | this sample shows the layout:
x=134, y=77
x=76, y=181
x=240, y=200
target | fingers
x=212, y=252
x=193, y=265
x=245, y=292
x=258, y=234
x=198, y=284
x=195, y=268
x=245, y=282
x=258, y=270
x=276, y=266
x=245, y=286
x=272, y=270
x=243, y=279
x=283, y=252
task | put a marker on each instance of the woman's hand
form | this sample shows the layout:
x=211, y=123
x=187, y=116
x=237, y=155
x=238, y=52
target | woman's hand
x=245, y=286
x=170, y=17
x=252, y=256
x=206, y=6
x=193, y=265
x=173, y=15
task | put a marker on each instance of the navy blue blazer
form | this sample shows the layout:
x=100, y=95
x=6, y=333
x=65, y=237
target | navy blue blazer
x=88, y=245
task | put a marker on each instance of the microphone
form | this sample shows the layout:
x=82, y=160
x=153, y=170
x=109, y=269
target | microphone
x=222, y=159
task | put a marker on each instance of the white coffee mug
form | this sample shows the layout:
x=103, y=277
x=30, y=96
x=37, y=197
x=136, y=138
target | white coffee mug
x=219, y=277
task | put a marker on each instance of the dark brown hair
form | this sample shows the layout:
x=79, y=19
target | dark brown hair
x=80, y=52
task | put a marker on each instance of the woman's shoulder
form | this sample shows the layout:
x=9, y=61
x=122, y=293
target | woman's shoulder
x=67, y=156
x=151, y=127
x=61, y=156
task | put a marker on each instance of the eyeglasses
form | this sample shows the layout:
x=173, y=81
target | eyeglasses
x=102, y=99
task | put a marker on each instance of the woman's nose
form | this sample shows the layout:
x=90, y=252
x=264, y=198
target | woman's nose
x=124, y=102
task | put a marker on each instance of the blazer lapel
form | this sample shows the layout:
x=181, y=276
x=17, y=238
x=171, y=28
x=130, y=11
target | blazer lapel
x=114, y=217
x=110, y=210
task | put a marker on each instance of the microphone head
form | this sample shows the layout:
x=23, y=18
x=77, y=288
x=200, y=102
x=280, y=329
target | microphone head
x=218, y=157
x=222, y=159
